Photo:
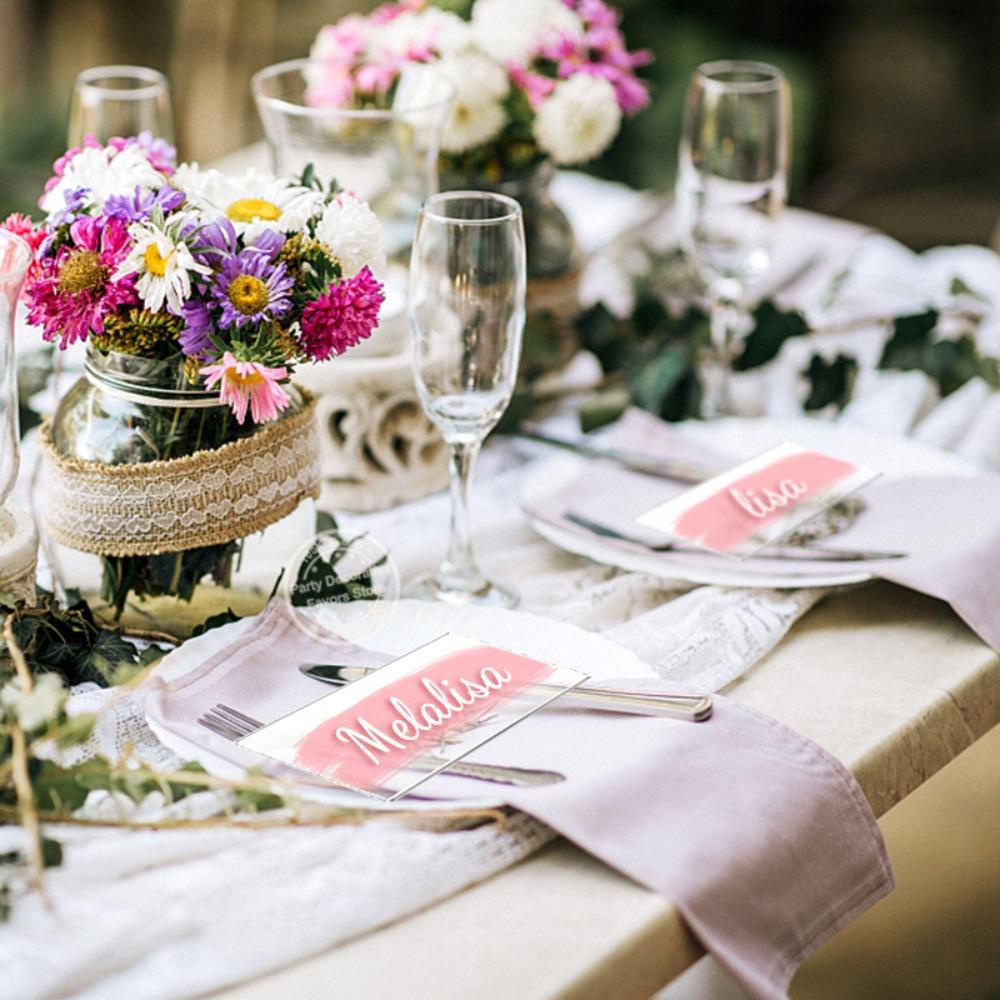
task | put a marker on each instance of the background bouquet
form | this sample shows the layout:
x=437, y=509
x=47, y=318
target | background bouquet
x=197, y=294
x=534, y=79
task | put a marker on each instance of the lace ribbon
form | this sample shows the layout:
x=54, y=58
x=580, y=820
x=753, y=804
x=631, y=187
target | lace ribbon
x=208, y=498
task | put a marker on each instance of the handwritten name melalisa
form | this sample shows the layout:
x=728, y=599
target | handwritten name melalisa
x=448, y=700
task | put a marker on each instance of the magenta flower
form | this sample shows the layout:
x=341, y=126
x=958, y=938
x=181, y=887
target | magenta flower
x=344, y=315
x=75, y=290
x=248, y=383
x=535, y=86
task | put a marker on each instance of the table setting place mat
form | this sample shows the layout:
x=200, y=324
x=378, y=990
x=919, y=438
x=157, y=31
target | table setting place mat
x=946, y=527
x=761, y=838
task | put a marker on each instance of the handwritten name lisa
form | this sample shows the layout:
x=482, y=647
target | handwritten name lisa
x=768, y=501
x=448, y=700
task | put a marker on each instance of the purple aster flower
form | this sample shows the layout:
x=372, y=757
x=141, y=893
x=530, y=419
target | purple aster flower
x=198, y=321
x=76, y=200
x=250, y=288
x=212, y=241
x=140, y=204
x=268, y=242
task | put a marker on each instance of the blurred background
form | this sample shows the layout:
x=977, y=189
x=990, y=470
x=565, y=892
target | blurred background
x=897, y=102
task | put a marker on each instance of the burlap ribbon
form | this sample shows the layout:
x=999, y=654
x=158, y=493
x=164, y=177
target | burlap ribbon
x=207, y=498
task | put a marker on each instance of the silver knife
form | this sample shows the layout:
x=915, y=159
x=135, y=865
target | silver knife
x=809, y=552
x=692, y=707
x=634, y=461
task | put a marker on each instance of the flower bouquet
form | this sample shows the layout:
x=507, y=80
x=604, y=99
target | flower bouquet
x=197, y=294
x=538, y=83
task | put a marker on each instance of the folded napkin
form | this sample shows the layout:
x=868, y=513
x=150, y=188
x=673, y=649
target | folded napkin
x=948, y=527
x=762, y=839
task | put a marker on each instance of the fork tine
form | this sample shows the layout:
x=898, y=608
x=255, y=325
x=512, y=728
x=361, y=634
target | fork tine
x=219, y=728
x=238, y=726
x=247, y=720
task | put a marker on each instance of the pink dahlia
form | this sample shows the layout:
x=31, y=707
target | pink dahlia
x=74, y=290
x=344, y=315
x=21, y=225
x=248, y=383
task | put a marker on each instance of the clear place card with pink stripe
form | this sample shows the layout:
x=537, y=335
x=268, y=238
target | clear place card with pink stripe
x=758, y=502
x=394, y=728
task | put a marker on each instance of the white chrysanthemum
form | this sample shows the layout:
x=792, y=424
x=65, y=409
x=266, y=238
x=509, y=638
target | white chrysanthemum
x=410, y=31
x=478, y=113
x=579, y=120
x=352, y=231
x=252, y=201
x=34, y=708
x=104, y=172
x=511, y=30
x=164, y=264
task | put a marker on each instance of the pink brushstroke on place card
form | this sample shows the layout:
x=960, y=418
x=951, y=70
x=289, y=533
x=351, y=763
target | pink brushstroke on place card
x=379, y=736
x=742, y=508
x=758, y=502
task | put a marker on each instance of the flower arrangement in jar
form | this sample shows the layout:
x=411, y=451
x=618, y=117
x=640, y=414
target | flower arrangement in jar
x=197, y=294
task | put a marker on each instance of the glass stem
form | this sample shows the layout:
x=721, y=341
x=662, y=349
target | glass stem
x=724, y=325
x=460, y=564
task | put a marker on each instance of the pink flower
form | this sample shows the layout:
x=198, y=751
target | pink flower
x=21, y=225
x=376, y=78
x=344, y=315
x=535, y=86
x=74, y=290
x=248, y=383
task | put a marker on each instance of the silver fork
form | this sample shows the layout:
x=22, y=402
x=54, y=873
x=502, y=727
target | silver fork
x=232, y=724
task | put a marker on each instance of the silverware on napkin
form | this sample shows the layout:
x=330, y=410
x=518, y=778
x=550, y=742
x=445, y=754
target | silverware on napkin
x=807, y=552
x=690, y=707
x=231, y=724
x=634, y=461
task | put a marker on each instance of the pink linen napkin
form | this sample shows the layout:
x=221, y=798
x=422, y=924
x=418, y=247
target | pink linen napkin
x=949, y=528
x=761, y=838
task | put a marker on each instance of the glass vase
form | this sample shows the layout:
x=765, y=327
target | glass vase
x=194, y=475
x=15, y=257
x=554, y=265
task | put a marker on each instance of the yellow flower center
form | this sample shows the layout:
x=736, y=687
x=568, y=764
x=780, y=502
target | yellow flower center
x=156, y=263
x=248, y=294
x=245, y=381
x=81, y=272
x=250, y=209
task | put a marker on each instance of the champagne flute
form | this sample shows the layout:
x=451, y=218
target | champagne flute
x=123, y=101
x=731, y=188
x=466, y=300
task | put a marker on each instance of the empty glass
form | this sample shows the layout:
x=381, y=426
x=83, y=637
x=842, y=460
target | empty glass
x=467, y=286
x=731, y=187
x=387, y=156
x=113, y=101
x=15, y=257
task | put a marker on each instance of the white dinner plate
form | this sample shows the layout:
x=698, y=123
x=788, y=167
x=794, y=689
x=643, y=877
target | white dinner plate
x=413, y=624
x=895, y=457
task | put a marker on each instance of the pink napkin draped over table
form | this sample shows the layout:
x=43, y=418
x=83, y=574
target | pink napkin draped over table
x=948, y=527
x=763, y=840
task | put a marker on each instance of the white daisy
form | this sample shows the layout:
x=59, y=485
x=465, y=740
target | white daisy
x=104, y=172
x=478, y=113
x=164, y=264
x=431, y=28
x=579, y=120
x=253, y=201
x=511, y=30
x=352, y=231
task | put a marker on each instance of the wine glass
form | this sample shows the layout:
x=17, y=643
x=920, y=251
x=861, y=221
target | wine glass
x=113, y=101
x=731, y=188
x=466, y=301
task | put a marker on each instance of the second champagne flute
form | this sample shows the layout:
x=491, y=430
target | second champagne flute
x=467, y=287
x=731, y=187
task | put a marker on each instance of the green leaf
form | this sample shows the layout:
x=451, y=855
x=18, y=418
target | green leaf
x=772, y=327
x=911, y=337
x=52, y=853
x=959, y=288
x=830, y=382
x=215, y=621
x=325, y=521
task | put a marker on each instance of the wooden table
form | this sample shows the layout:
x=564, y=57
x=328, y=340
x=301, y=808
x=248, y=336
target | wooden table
x=891, y=682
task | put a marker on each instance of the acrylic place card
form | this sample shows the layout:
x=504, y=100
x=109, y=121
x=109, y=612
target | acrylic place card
x=394, y=728
x=758, y=502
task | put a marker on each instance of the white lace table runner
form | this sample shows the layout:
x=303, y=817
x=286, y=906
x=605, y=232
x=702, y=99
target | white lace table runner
x=172, y=914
